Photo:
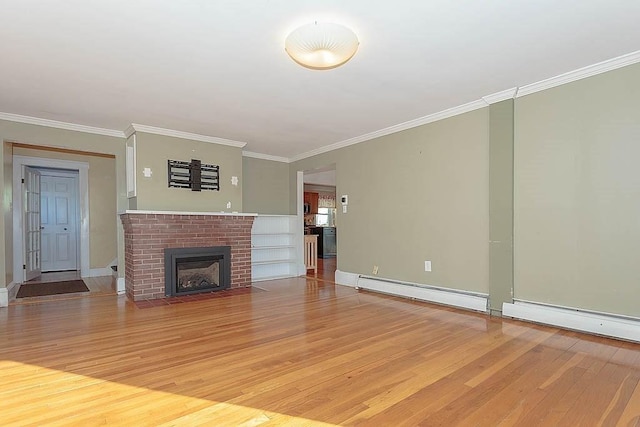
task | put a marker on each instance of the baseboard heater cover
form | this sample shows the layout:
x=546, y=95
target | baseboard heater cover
x=611, y=325
x=461, y=299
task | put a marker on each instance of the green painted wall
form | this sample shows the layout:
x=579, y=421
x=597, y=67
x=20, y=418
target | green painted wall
x=265, y=187
x=416, y=195
x=153, y=193
x=577, y=194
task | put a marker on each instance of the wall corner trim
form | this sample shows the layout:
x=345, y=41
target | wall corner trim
x=500, y=96
x=129, y=131
x=120, y=286
x=611, y=325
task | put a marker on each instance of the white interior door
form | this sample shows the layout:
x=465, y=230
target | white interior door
x=59, y=222
x=31, y=211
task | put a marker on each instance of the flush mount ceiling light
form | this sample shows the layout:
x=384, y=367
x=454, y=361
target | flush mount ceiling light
x=321, y=46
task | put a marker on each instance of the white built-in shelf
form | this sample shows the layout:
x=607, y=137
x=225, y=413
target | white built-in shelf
x=274, y=261
x=274, y=247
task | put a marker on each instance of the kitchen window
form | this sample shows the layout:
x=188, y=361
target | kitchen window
x=326, y=217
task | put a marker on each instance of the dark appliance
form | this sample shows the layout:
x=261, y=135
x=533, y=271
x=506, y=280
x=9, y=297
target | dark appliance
x=327, y=247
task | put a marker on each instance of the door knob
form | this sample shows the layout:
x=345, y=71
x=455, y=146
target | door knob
x=42, y=227
x=65, y=229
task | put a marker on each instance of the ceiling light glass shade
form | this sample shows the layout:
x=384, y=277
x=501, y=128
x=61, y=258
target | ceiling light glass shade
x=321, y=46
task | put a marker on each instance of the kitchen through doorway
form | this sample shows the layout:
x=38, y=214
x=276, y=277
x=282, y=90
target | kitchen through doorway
x=320, y=216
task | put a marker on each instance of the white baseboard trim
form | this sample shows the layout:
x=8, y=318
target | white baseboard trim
x=302, y=269
x=97, y=272
x=626, y=328
x=7, y=294
x=120, y=288
x=4, y=297
x=446, y=296
x=346, y=279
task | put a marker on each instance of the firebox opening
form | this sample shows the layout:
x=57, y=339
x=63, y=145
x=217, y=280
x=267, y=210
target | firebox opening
x=198, y=273
x=194, y=270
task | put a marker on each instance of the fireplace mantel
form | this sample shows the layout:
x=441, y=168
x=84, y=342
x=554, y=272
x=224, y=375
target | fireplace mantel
x=137, y=212
x=148, y=233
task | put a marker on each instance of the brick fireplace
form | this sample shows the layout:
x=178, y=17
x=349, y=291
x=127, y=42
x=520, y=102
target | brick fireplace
x=148, y=233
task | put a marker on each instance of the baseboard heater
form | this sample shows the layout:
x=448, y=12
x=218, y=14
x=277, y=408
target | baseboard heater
x=452, y=297
x=627, y=328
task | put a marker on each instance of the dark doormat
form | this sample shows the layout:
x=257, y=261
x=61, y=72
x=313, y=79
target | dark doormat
x=53, y=288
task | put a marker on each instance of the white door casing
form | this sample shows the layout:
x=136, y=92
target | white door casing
x=18, y=220
x=302, y=268
x=59, y=214
x=31, y=213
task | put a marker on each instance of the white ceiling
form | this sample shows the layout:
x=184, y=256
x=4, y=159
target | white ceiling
x=219, y=68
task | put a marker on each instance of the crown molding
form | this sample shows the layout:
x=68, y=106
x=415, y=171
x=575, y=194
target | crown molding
x=129, y=131
x=512, y=93
x=60, y=125
x=461, y=109
x=500, y=96
x=265, y=156
x=581, y=73
x=134, y=127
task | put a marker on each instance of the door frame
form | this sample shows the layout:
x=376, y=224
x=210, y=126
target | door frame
x=83, y=204
x=302, y=268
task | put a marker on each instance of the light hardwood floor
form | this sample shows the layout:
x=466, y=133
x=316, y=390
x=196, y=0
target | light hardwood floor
x=326, y=270
x=303, y=352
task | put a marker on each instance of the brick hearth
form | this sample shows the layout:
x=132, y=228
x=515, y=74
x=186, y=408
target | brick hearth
x=147, y=234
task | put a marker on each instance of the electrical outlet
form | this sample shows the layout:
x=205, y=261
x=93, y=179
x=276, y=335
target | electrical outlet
x=427, y=266
x=375, y=269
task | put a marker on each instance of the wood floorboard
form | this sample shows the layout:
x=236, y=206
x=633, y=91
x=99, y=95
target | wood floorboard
x=303, y=351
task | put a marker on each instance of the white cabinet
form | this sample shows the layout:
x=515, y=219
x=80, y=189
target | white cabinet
x=273, y=247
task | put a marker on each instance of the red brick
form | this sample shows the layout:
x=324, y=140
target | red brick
x=147, y=235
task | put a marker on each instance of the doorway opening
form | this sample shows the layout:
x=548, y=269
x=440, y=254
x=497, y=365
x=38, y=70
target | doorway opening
x=42, y=209
x=320, y=216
